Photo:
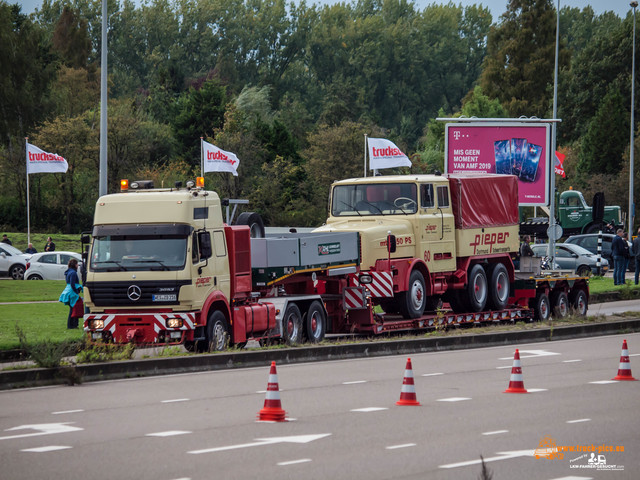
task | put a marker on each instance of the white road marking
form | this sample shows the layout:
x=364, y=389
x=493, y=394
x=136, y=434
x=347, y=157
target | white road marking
x=176, y=400
x=506, y=366
x=535, y=390
x=580, y=420
x=405, y=445
x=501, y=456
x=67, y=411
x=573, y=478
x=369, y=409
x=43, y=429
x=532, y=353
x=495, y=432
x=264, y=441
x=51, y=448
x=634, y=354
x=354, y=382
x=431, y=374
x=169, y=433
x=571, y=361
x=604, y=382
x=293, y=462
x=453, y=399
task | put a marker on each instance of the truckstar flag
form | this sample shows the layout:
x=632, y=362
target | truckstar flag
x=385, y=154
x=217, y=160
x=39, y=161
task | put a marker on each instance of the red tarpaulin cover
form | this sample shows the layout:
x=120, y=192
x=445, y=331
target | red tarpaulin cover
x=484, y=200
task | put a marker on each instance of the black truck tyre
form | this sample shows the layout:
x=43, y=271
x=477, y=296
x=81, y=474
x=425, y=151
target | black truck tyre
x=413, y=302
x=542, y=307
x=254, y=221
x=498, y=286
x=315, y=322
x=292, y=325
x=217, y=331
x=560, y=305
x=580, y=303
x=476, y=292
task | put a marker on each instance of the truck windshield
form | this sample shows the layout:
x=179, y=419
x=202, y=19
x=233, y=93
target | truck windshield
x=138, y=253
x=374, y=199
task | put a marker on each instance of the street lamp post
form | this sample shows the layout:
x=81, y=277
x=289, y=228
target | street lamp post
x=551, y=252
x=633, y=5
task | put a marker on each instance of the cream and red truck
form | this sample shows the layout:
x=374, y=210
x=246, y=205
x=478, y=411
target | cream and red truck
x=163, y=266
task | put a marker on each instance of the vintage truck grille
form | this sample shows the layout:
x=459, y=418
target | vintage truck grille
x=136, y=293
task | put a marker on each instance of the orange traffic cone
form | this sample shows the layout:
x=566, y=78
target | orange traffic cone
x=624, y=370
x=272, y=410
x=408, y=392
x=516, y=384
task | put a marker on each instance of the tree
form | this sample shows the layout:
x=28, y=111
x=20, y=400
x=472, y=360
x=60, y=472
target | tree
x=71, y=40
x=519, y=65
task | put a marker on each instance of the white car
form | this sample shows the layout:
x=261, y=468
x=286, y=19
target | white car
x=13, y=262
x=50, y=265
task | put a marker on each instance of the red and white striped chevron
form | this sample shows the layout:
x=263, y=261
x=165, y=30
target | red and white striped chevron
x=380, y=286
x=354, y=298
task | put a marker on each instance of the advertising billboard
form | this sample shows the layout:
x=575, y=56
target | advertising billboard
x=520, y=149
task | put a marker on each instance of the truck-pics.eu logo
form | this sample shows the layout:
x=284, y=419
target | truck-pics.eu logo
x=592, y=458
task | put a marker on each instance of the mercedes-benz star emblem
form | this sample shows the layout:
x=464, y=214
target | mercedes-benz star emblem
x=134, y=293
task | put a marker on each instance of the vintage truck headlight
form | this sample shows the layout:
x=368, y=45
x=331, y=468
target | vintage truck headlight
x=174, y=323
x=96, y=324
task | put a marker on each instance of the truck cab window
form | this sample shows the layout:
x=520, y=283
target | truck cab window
x=443, y=196
x=426, y=196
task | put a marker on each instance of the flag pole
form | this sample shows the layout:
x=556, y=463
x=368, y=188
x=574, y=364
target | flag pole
x=365, y=154
x=26, y=156
x=201, y=157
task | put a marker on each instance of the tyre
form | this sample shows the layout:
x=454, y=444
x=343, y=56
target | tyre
x=315, y=322
x=254, y=222
x=412, y=302
x=476, y=292
x=560, y=306
x=217, y=331
x=542, y=307
x=190, y=346
x=35, y=276
x=579, y=303
x=595, y=228
x=498, y=287
x=583, y=271
x=16, y=272
x=292, y=325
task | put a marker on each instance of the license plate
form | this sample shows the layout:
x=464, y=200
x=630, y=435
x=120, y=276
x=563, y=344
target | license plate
x=175, y=334
x=164, y=298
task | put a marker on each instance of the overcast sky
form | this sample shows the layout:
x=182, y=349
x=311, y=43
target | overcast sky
x=497, y=7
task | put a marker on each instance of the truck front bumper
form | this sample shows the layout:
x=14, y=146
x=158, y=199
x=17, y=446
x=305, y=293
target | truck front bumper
x=140, y=327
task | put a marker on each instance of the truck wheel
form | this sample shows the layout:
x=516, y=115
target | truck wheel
x=413, y=301
x=594, y=228
x=580, y=304
x=560, y=306
x=316, y=322
x=499, y=287
x=542, y=307
x=254, y=221
x=292, y=325
x=217, y=331
x=476, y=292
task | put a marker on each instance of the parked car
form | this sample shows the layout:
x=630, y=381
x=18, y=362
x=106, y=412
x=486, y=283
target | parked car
x=13, y=262
x=50, y=265
x=590, y=242
x=573, y=257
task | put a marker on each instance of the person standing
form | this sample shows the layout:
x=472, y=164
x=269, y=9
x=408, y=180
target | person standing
x=50, y=246
x=71, y=293
x=635, y=252
x=618, y=246
x=6, y=240
x=525, y=248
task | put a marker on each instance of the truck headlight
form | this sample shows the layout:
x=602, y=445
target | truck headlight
x=365, y=279
x=96, y=324
x=174, y=323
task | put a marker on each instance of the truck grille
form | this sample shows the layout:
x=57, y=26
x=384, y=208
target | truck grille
x=136, y=293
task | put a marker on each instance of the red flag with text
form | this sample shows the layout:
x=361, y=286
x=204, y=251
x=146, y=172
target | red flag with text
x=39, y=161
x=559, y=168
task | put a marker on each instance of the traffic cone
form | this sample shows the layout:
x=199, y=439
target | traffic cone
x=624, y=370
x=408, y=392
x=272, y=410
x=516, y=384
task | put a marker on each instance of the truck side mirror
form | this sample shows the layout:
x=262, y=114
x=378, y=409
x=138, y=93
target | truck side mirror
x=391, y=243
x=204, y=243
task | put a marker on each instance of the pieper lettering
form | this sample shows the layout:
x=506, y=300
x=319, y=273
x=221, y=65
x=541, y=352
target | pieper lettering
x=488, y=239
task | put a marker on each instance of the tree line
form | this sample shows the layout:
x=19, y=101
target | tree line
x=292, y=89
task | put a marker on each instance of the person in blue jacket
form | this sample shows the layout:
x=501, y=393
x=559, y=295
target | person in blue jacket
x=71, y=293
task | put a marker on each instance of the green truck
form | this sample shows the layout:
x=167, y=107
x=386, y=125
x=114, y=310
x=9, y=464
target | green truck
x=576, y=217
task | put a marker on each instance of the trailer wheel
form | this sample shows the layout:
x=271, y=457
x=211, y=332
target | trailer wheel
x=542, y=307
x=315, y=322
x=580, y=304
x=217, y=331
x=413, y=301
x=292, y=325
x=477, y=289
x=254, y=221
x=499, y=287
x=560, y=306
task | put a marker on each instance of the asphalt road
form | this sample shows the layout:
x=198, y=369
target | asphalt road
x=344, y=423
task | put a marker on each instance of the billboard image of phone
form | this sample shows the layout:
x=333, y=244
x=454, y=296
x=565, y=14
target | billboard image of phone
x=502, y=154
x=531, y=162
x=518, y=154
